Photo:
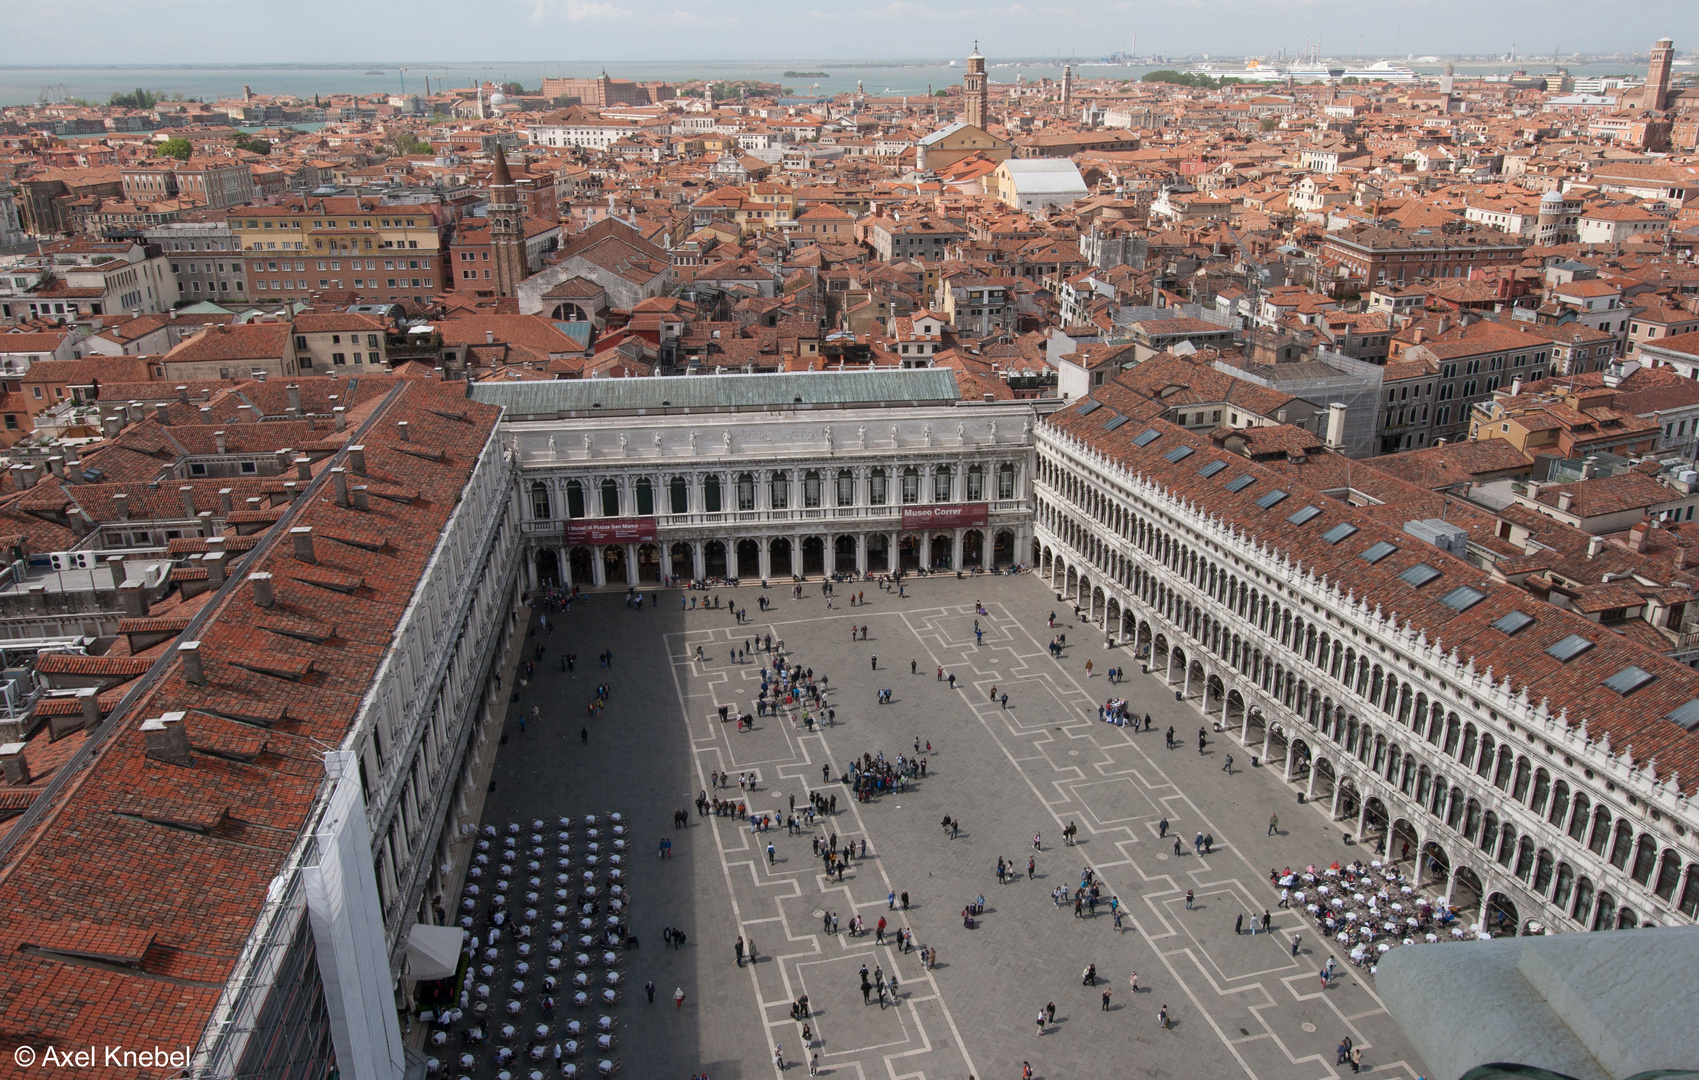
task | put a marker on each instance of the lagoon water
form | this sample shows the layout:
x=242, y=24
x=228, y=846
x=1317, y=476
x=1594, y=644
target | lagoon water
x=21, y=84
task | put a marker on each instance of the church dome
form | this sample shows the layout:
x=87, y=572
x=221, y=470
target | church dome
x=498, y=98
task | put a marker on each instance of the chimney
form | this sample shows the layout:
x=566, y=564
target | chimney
x=90, y=696
x=1443, y=325
x=360, y=502
x=122, y=502
x=246, y=414
x=24, y=475
x=339, y=477
x=341, y=415
x=132, y=596
x=401, y=426
x=1336, y=426
x=183, y=394
x=206, y=414
x=13, y=768
x=295, y=409
x=258, y=374
x=1416, y=336
x=224, y=506
x=214, y=563
x=1595, y=545
x=357, y=459
x=1516, y=386
x=303, y=537
x=188, y=493
x=168, y=739
x=135, y=412
x=291, y=490
x=489, y=337
x=1565, y=499
x=1637, y=537
x=194, y=672
x=263, y=596
x=220, y=440
x=112, y=425
x=1589, y=468
x=162, y=412
x=303, y=468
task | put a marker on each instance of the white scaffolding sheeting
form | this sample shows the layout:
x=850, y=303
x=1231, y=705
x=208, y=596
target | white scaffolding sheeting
x=1333, y=377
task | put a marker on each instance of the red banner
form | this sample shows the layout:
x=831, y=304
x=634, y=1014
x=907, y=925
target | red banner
x=610, y=530
x=944, y=516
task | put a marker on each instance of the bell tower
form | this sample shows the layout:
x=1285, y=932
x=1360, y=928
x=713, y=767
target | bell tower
x=507, y=229
x=1658, y=74
x=974, y=109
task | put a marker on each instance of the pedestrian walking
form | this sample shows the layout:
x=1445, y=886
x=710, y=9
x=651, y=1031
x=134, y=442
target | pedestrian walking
x=1356, y=1059
x=1106, y=992
x=1188, y=908
x=1035, y=842
x=1239, y=923
x=678, y=998
x=1133, y=981
x=1162, y=1017
x=1267, y=919
x=649, y=989
x=1295, y=939
x=1273, y=824
x=1162, y=829
x=1041, y=1023
x=738, y=948
x=1031, y=865
x=1227, y=766
x=875, y=660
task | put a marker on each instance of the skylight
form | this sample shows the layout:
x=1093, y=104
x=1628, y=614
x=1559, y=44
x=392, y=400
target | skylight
x=1090, y=407
x=1179, y=453
x=1418, y=575
x=1463, y=598
x=1212, y=468
x=1513, y=622
x=1379, y=551
x=1339, y=532
x=1569, y=648
x=1270, y=498
x=1147, y=436
x=1687, y=716
x=1304, y=515
x=1116, y=422
x=1240, y=483
x=1629, y=679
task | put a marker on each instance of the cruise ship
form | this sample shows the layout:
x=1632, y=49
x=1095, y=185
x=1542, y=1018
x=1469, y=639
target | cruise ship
x=1380, y=71
x=1312, y=71
x=1253, y=71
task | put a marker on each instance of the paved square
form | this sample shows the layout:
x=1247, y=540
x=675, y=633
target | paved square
x=1241, y=1005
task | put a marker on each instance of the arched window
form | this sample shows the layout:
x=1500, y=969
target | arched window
x=942, y=485
x=711, y=495
x=574, y=499
x=1645, y=860
x=911, y=485
x=540, y=501
x=1601, y=831
x=975, y=484
x=1623, y=845
x=645, y=497
x=745, y=484
x=811, y=489
x=610, y=498
x=779, y=491
x=846, y=488
x=680, y=495
x=1578, y=819
x=1668, y=876
x=1006, y=481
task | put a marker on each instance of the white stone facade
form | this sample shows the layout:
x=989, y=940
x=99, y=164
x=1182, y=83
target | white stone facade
x=771, y=494
x=1503, y=798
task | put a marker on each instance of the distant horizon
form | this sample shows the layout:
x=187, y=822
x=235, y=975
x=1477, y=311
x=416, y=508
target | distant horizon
x=176, y=32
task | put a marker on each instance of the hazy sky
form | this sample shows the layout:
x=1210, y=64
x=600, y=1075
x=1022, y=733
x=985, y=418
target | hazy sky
x=235, y=31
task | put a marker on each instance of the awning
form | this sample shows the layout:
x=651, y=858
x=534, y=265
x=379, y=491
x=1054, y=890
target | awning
x=433, y=952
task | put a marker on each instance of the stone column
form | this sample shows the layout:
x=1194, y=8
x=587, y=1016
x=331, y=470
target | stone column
x=598, y=568
x=1338, y=790
x=1310, y=789
x=926, y=550
x=1417, y=871
x=766, y=556
x=1168, y=676
x=1267, y=737
x=1291, y=756
x=956, y=562
x=796, y=554
x=565, y=567
x=1245, y=720
x=1363, y=819
x=1226, y=693
x=861, y=552
x=531, y=567
x=698, y=562
x=1186, y=690
x=891, y=556
x=631, y=564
